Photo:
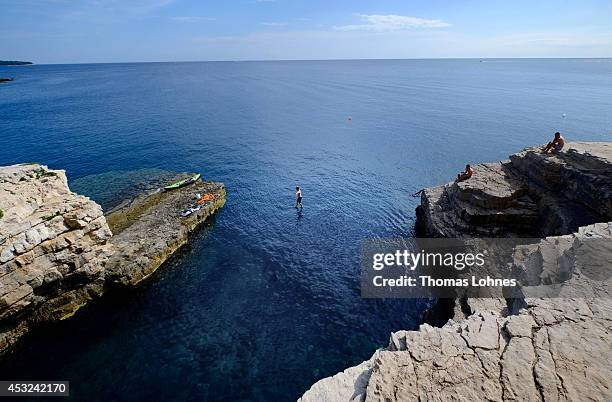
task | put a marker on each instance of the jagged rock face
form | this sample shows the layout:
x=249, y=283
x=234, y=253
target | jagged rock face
x=582, y=173
x=53, y=244
x=533, y=194
x=494, y=201
x=555, y=349
x=532, y=356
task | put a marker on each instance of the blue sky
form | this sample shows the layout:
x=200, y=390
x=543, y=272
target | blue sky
x=79, y=31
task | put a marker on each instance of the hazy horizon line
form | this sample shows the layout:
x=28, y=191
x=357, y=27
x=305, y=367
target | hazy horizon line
x=304, y=60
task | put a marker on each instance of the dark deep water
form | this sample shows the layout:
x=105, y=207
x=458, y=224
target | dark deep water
x=265, y=301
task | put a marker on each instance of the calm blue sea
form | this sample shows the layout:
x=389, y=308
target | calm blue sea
x=265, y=300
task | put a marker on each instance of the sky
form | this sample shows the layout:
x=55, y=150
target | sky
x=83, y=31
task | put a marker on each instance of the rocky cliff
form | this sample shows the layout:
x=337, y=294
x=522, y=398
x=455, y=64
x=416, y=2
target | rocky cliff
x=57, y=250
x=532, y=194
x=528, y=349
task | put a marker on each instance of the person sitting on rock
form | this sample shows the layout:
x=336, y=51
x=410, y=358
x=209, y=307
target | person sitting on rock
x=466, y=174
x=556, y=144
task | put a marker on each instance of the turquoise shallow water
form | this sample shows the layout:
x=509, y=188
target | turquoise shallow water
x=265, y=301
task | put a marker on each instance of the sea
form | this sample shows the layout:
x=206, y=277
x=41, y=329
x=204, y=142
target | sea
x=265, y=300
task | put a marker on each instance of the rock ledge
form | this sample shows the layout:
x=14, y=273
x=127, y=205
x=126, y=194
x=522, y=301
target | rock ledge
x=58, y=251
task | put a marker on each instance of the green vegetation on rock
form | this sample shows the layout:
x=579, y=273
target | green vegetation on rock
x=40, y=173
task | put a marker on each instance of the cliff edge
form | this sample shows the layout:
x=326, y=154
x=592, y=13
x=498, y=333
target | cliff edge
x=528, y=349
x=58, y=251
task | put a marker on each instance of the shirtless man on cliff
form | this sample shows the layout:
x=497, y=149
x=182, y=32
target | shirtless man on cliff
x=556, y=144
x=466, y=174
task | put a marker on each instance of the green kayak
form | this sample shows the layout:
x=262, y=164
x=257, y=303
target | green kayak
x=182, y=183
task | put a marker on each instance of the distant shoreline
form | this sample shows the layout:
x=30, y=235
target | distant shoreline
x=477, y=59
x=15, y=63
